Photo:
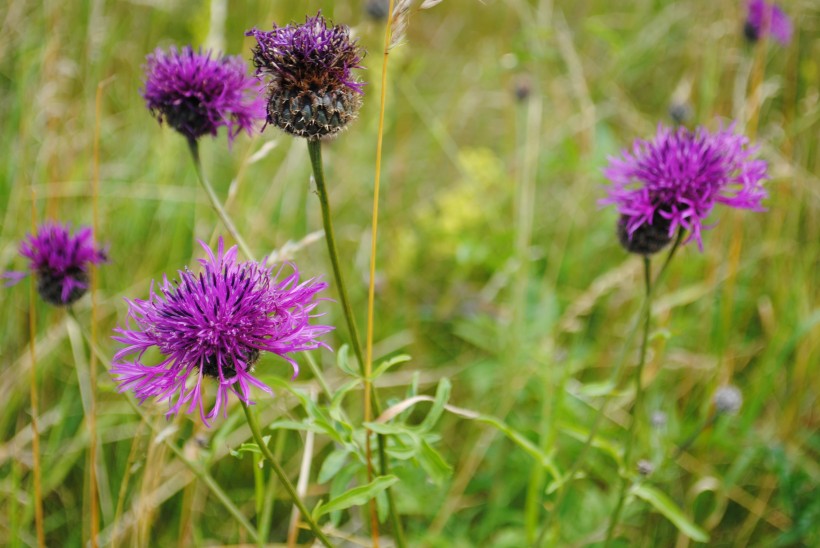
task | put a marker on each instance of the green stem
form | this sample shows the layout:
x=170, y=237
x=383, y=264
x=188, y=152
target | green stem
x=631, y=435
x=315, y=151
x=193, y=145
x=280, y=472
x=270, y=493
x=596, y=422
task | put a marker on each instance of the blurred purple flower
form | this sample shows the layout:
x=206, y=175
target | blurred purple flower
x=214, y=324
x=312, y=91
x=196, y=94
x=60, y=262
x=764, y=19
x=674, y=181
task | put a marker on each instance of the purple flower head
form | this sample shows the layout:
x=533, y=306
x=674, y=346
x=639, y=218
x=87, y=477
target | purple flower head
x=764, y=19
x=674, y=181
x=312, y=91
x=196, y=94
x=215, y=324
x=60, y=262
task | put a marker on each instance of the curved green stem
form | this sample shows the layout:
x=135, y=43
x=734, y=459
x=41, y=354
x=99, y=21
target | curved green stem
x=315, y=151
x=193, y=145
x=277, y=468
x=631, y=435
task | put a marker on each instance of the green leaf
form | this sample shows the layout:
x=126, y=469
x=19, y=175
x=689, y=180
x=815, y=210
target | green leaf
x=343, y=361
x=338, y=398
x=333, y=463
x=433, y=463
x=296, y=425
x=384, y=366
x=670, y=511
x=389, y=429
x=248, y=448
x=442, y=396
x=529, y=447
x=356, y=496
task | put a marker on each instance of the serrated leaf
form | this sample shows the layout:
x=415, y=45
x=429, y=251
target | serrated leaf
x=332, y=464
x=670, y=511
x=355, y=497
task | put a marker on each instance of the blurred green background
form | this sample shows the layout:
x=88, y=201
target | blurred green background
x=496, y=266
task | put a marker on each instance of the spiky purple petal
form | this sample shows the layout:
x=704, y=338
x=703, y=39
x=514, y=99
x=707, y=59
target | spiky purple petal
x=767, y=19
x=60, y=261
x=214, y=324
x=681, y=174
x=196, y=93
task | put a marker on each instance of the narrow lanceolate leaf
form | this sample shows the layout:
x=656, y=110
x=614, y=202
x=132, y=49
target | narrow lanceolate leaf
x=671, y=511
x=357, y=496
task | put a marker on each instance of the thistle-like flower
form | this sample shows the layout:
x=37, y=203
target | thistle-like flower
x=215, y=324
x=196, y=93
x=673, y=181
x=312, y=91
x=765, y=19
x=59, y=260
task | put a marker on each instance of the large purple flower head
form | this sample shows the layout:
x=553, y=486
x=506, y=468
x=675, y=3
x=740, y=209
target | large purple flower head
x=674, y=181
x=196, y=94
x=312, y=90
x=60, y=261
x=215, y=324
x=765, y=19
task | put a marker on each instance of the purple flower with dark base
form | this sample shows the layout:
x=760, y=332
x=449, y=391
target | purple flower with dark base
x=765, y=19
x=312, y=91
x=197, y=94
x=215, y=324
x=673, y=181
x=60, y=261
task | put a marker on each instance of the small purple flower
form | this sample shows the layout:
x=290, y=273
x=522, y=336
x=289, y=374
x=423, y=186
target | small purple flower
x=764, y=19
x=674, y=181
x=196, y=94
x=60, y=262
x=214, y=324
x=312, y=91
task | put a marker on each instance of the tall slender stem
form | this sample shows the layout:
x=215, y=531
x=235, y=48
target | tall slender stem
x=193, y=145
x=277, y=468
x=371, y=288
x=631, y=435
x=35, y=433
x=596, y=422
x=315, y=151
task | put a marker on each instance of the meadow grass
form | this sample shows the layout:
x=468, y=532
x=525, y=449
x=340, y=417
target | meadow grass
x=496, y=269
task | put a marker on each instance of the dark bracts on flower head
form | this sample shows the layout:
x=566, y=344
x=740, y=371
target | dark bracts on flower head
x=211, y=368
x=59, y=260
x=647, y=239
x=50, y=285
x=312, y=92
